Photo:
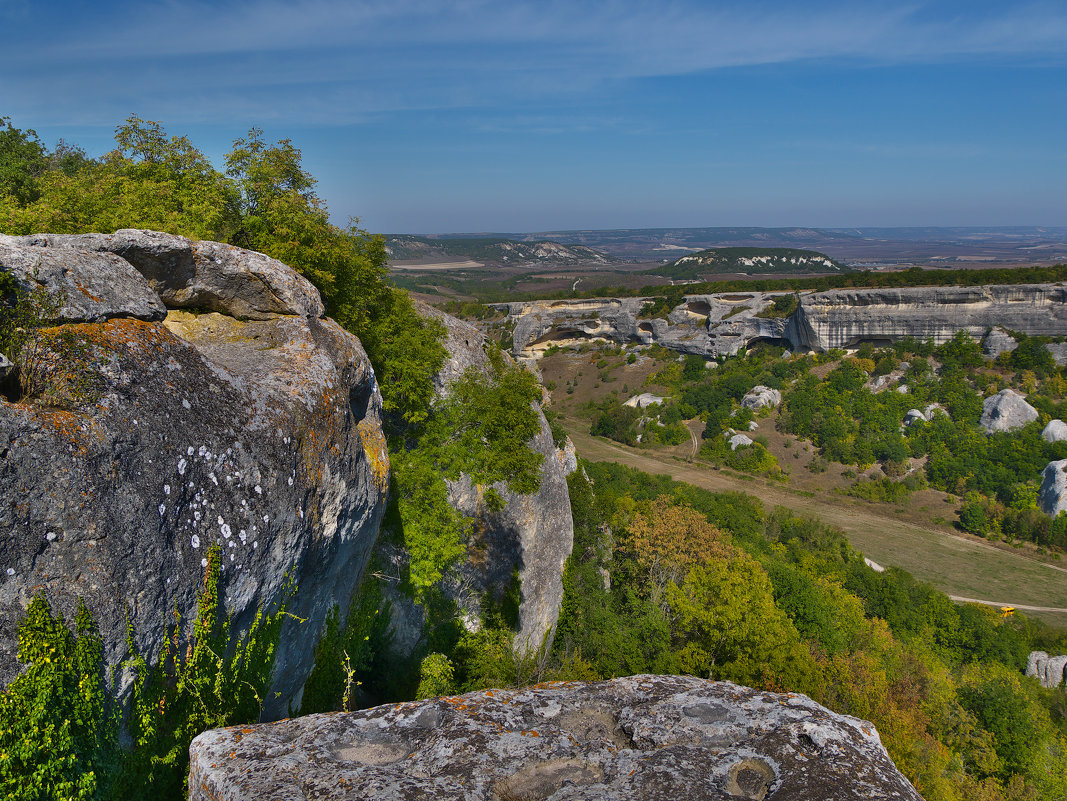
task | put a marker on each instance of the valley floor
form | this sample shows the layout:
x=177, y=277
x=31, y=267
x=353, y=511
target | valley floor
x=964, y=568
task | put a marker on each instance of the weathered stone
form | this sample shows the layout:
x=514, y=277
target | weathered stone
x=739, y=441
x=912, y=416
x=1053, y=673
x=531, y=533
x=934, y=408
x=1059, y=352
x=6, y=367
x=642, y=738
x=1055, y=431
x=92, y=286
x=725, y=324
x=998, y=341
x=1006, y=411
x=760, y=397
x=260, y=436
x=1035, y=663
x=1052, y=496
x=188, y=274
x=643, y=401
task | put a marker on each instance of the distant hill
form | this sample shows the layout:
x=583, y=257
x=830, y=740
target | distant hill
x=749, y=260
x=491, y=250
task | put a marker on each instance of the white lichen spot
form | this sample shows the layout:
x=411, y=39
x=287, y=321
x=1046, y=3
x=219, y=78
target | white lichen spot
x=181, y=466
x=266, y=518
x=51, y=535
x=225, y=529
x=231, y=557
x=259, y=490
x=195, y=540
x=190, y=451
x=11, y=571
x=214, y=480
x=243, y=535
x=186, y=404
x=166, y=489
x=255, y=544
x=203, y=563
x=290, y=481
x=162, y=510
x=196, y=516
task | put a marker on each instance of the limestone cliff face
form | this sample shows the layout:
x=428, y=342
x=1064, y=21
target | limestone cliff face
x=255, y=426
x=532, y=533
x=722, y=324
x=643, y=738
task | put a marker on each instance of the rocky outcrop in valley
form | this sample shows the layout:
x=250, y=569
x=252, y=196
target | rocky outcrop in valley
x=723, y=324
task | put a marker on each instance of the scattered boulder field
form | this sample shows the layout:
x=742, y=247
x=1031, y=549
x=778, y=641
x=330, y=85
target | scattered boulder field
x=650, y=738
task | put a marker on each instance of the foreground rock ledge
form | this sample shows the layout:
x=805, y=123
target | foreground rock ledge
x=643, y=737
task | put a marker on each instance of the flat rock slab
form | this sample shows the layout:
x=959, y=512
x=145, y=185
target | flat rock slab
x=642, y=737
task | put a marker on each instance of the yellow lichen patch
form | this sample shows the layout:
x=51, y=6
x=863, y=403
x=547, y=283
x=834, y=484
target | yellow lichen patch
x=215, y=326
x=377, y=454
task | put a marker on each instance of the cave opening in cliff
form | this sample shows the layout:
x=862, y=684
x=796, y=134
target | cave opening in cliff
x=875, y=342
x=768, y=343
x=701, y=308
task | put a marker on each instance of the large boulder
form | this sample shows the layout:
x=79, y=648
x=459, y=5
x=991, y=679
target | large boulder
x=1052, y=496
x=187, y=274
x=1047, y=670
x=998, y=341
x=1006, y=411
x=739, y=441
x=1059, y=352
x=643, y=401
x=1055, y=431
x=261, y=436
x=532, y=534
x=760, y=397
x=642, y=738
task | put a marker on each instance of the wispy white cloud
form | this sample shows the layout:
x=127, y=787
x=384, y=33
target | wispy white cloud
x=336, y=61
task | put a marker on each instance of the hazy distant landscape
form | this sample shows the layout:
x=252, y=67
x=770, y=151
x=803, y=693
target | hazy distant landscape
x=462, y=266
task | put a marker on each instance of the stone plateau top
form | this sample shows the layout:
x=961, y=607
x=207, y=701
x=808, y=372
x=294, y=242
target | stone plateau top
x=643, y=737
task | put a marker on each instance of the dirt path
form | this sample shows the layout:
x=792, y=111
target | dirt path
x=960, y=567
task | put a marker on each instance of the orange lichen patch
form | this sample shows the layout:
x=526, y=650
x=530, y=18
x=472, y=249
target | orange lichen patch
x=531, y=733
x=89, y=294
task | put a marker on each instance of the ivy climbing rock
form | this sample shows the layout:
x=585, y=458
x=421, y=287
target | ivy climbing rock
x=255, y=425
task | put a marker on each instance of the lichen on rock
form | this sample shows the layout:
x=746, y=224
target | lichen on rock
x=655, y=738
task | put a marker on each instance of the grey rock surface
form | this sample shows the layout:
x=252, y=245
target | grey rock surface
x=1006, y=411
x=1059, y=352
x=1055, y=431
x=914, y=415
x=187, y=274
x=643, y=401
x=760, y=397
x=726, y=323
x=998, y=341
x=739, y=441
x=642, y=738
x=6, y=367
x=532, y=533
x=92, y=287
x=1052, y=496
x=1047, y=670
x=261, y=436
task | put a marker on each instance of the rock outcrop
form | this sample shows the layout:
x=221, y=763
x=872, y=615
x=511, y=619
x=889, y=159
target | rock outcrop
x=1006, y=411
x=1052, y=496
x=760, y=397
x=531, y=533
x=1048, y=670
x=254, y=427
x=643, y=738
x=724, y=324
x=739, y=441
x=1055, y=431
x=643, y=401
x=998, y=341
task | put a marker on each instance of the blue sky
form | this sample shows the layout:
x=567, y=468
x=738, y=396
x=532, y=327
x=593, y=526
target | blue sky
x=481, y=115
